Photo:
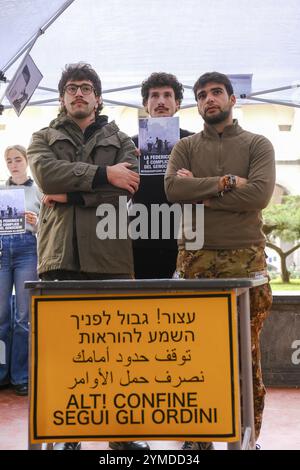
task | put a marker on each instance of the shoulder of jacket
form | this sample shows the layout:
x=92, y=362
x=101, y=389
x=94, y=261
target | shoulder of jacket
x=124, y=137
x=111, y=130
x=135, y=139
x=46, y=133
x=255, y=138
x=41, y=132
x=190, y=139
x=185, y=133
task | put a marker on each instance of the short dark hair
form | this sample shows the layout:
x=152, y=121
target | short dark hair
x=80, y=71
x=160, y=79
x=216, y=77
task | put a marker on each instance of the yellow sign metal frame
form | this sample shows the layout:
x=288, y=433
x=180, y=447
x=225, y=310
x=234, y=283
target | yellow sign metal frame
x=137, y=366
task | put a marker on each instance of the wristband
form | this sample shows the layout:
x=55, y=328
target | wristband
x=229, y=182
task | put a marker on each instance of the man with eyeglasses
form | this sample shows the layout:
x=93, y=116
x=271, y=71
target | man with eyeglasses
x=79, y=162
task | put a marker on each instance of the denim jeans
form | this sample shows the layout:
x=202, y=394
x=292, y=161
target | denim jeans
x=18, y=263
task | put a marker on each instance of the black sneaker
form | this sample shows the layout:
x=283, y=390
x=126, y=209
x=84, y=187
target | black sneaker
x=67, y=446
x=130, y=445
x=4, y=386
x=21, y=390
x=189, y=445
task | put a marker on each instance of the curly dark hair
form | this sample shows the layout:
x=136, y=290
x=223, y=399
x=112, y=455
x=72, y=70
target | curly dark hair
x=216, y=77
x=160, y=79
x=81, y=71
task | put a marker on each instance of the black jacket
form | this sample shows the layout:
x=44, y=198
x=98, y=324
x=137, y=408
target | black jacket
x=151, y=191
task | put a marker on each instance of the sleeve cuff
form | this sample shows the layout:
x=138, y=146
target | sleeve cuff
x=75, y=199
x=100, y=178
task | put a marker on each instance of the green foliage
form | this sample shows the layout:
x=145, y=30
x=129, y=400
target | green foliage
x=293, y=285
x=295, y=275
x=283, y=220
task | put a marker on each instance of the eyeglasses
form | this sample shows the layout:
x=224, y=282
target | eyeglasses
x=85, y=89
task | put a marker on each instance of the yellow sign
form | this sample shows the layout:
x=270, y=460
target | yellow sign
x=131, y=367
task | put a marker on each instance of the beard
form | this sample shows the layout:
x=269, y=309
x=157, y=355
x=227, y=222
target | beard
x=80, y=114
x=217, y=118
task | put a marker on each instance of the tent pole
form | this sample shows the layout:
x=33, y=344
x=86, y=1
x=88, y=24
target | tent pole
x=32, y=42
x=129, y=87
x=271, y=90
x=29, y=45
x=44, y=88
x=282, y=103
x=120, y=103
x=33, y=103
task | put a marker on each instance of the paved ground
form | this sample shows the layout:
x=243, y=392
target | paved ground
x=280, y=431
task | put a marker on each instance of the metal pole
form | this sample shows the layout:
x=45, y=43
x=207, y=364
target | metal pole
x=282, y=103
x=40, y=31
x=31, y=446
x=246, y=367
x=237, y=445
x=29, y=45
x=121, y=103
x=272, y=90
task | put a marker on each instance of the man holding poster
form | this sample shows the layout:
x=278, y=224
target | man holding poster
x=162, y=95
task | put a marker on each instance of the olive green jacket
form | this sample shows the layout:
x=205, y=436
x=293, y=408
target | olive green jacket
x=61, y=162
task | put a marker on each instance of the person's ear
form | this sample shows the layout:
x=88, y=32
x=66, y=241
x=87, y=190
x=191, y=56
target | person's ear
x=233, y=99
x=99, y=102
x=145, y=104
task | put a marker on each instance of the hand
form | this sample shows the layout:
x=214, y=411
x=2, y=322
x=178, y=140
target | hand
x=183, y=173
x=121, y=176
x=50, y=199
x=240, y=182
x=31, y=217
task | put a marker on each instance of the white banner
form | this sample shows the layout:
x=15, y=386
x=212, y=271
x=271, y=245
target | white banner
x=23, y=85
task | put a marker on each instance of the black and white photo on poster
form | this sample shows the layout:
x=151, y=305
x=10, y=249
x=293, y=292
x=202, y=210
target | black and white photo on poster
x=12, y=211
x=23, y=85
x=157, y=137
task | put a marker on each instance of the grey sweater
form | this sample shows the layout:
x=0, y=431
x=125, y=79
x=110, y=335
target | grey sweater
x=234, y=220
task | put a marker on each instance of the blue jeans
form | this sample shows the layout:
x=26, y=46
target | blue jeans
x=18, y=263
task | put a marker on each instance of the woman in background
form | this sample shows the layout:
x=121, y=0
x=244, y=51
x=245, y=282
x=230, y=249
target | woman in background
x=18, y=263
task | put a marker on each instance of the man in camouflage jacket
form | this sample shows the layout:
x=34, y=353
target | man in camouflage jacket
x=232, y=172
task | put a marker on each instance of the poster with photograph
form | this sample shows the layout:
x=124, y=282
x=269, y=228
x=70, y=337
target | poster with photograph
x=242, y=84
x=157, y=137
x=23, y=85
x=12, y=211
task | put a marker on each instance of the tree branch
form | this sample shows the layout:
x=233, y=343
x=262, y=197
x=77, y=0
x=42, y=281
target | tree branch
x=294, y=248
x=282, y=253
x=275, y=248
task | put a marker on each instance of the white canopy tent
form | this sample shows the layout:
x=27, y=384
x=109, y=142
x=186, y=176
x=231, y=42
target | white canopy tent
x=126, y=41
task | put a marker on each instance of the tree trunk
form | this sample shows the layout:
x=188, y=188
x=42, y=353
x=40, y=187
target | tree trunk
x=285, y=274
